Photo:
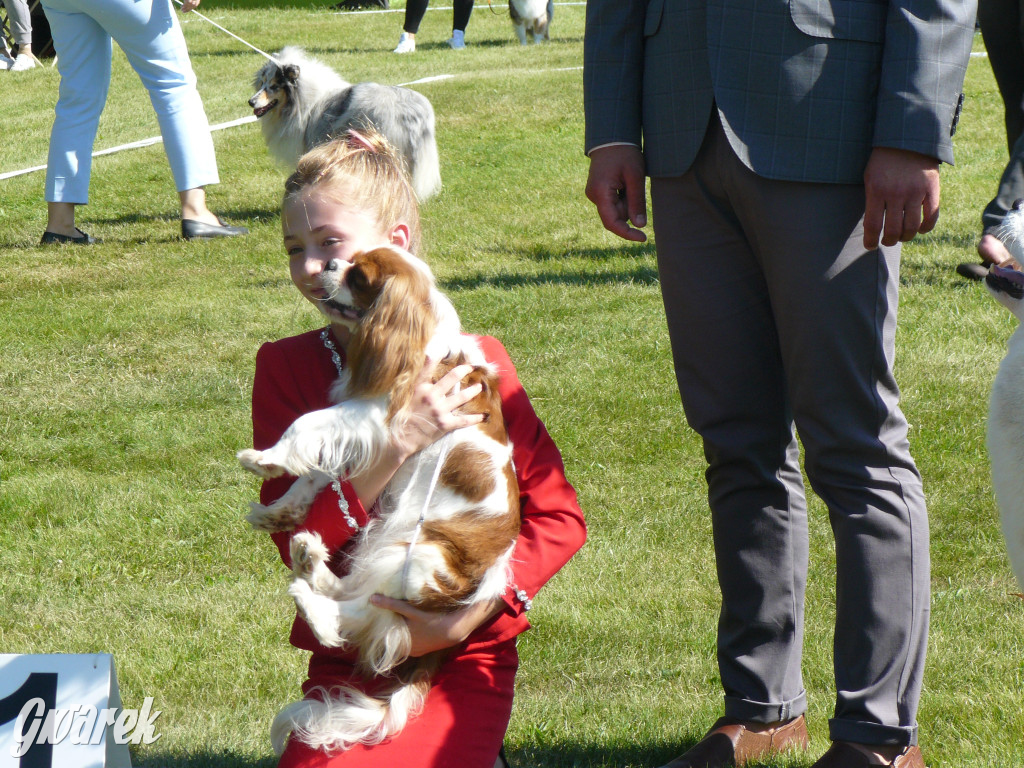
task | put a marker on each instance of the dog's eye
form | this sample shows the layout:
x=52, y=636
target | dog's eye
x=357, y=279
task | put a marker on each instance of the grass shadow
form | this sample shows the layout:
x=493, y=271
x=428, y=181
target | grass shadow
x=640, y=275
x=640, y=755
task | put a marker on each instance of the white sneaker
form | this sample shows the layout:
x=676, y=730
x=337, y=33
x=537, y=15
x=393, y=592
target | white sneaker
x=457, y=40
x=23, y=62
x=406, y=44
x=6, y=62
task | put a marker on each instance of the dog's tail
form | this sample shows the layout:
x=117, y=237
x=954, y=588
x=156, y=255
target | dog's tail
x=342, y=717
x=426, y=173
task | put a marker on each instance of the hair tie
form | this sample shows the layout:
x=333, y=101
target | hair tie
x=357, y=139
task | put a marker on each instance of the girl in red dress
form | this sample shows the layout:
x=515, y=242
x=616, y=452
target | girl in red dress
x=345, y=197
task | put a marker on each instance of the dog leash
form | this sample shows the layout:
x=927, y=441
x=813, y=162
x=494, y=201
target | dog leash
x=218, y=26
x=443, y=454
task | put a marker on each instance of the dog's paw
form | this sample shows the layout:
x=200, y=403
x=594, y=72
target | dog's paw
x=274, y=517
x=320, y=613
x=257, y=463
x=307, y=552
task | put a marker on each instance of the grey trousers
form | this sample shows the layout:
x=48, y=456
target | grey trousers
x=21, y=21
x=1002, y=27
x=779, y=317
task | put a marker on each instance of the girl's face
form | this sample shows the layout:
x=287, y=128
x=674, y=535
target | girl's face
x=317, y=230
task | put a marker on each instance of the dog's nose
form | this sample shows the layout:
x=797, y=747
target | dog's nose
x=252, y=102
x=333, y=265
x=1018, y=203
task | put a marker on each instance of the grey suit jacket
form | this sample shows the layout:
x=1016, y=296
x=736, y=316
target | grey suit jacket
x=805, y=88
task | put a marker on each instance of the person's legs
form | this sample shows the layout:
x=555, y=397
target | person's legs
x=730, y=375
x=414, y=12
x=149, y=33
x=20, y=24
x=1002, y=27
x=21, y=29
x=83, y=59
x=463, y=9
x=768, y=318
x=834, y=305
x=460, y=18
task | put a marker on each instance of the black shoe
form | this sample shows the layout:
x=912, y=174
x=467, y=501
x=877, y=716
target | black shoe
x=354, y=5
x=198, y=230
x=972, y=271
x=81, y=239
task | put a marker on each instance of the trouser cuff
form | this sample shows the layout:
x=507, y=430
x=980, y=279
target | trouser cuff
x=872, y=733
x=760, y=712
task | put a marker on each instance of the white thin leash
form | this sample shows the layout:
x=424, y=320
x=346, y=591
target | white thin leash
x=423, y=512
x=229, y=32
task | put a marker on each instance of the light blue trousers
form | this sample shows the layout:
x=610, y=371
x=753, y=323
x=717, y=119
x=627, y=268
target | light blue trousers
x=149, y=34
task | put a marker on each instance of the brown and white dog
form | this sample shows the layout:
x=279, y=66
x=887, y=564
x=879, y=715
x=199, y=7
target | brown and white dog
x=447, y=521
x=533, y=16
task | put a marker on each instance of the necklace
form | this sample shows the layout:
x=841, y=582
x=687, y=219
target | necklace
x=325, y=337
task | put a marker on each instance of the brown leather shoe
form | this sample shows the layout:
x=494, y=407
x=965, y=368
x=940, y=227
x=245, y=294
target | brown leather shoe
x=730, y=742
x=842, y=755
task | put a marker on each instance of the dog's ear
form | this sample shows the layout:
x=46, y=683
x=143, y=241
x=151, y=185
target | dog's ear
x=357, y=279
x=291, y=72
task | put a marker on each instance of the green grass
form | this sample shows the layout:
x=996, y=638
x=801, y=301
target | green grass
x=125, y=375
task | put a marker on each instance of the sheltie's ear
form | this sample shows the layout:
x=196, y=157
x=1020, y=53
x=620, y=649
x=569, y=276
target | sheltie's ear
x=290, y=72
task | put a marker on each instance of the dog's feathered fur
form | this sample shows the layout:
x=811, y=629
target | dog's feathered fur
x=301, y=102
x=533, y=16
x=1006, y=410
x=471, y=519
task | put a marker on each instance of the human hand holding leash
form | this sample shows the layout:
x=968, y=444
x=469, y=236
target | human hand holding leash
x=901, y=196
x=189, y=5
x=616, y=186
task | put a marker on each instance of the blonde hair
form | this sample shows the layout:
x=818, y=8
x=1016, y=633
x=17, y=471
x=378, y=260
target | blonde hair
x=361, y=169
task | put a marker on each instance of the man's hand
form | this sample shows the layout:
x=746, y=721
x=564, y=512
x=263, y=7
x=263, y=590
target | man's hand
x=902, y=190
x=616, y=186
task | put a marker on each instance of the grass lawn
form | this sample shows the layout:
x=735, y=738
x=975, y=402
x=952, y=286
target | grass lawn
x=125, y=374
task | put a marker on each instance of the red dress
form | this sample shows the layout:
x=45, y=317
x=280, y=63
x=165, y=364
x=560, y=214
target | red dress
x=467, y=710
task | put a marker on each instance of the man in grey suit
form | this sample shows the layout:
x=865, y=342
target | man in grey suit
x=791, y=147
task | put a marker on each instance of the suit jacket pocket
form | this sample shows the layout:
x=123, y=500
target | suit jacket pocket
x=652, y=21
x=841, y=19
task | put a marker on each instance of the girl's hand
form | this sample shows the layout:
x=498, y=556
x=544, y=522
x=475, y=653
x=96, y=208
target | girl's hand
x=433, y=409
x=437, y=631
x=432, y=416
x=189, y=5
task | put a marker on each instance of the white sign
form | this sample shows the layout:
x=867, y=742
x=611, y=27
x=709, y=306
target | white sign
x=64, y=711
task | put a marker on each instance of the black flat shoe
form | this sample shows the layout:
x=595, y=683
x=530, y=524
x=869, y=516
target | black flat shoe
x=82, y=239
x=198, y=230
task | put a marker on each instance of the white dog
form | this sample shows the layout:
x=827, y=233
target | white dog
x=1006, y=412
x=448, y=519
x=301, y=102
x=533, y=16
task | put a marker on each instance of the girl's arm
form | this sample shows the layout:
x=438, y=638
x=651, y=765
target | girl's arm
x=552, y=529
